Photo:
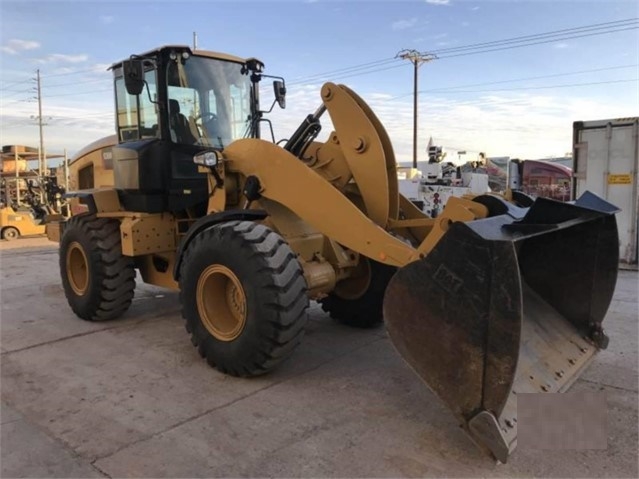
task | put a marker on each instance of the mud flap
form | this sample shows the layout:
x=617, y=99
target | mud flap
x=507, y=305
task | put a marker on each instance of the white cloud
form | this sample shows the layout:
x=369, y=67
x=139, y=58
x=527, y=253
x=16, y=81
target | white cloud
x=15, y=45
x=100, y=67
x=560, y=45
x=71, y=123
x=62, y=70
x=486, y=123
x=63, y=58
x=438, y=2
x=404, y=24
x=106, y=19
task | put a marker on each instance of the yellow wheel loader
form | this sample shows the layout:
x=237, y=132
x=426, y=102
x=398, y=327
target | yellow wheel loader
x=487, y=301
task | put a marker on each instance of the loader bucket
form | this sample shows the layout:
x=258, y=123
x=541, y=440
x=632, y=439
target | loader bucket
x=507, y=305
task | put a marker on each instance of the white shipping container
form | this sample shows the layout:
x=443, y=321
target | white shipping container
x=605, y=162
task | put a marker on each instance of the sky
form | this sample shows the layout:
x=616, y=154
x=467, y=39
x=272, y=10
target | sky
x=509, y=79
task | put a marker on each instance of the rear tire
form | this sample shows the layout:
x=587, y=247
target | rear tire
x=98, y=280
x=243, y=296
x=10, y=233
x=364, y=308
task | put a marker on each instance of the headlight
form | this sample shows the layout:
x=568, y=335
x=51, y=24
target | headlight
x=207, y=158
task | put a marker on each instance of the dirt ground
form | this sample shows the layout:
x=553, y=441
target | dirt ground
x=132, y=398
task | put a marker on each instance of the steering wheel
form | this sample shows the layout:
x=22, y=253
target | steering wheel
x=205, y=117
x=206, y=123
x=210, y=128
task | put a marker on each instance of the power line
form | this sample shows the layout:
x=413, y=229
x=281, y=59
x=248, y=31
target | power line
x=29, y=90
x=109, y=113
x=511, y=47
x=99, y=80
x=352, y=74
x=554, y=75
x=14, y=125
x=80, y=93
x=69, y=73
x=513, y=80
x=6, y=87
x=345, y=70
x=10, y=90
x=24, y=100
x=537, y=36
x=545, y=87
x=496, y=45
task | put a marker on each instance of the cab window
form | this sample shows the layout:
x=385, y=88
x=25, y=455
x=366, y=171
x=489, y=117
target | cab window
x=137, y=116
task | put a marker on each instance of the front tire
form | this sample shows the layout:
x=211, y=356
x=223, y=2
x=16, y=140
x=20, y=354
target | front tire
x=98, y=280
x=243, y=297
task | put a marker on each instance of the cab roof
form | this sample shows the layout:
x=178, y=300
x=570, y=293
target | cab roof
x=201, y=53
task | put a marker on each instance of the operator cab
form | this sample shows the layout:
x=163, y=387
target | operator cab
x=173, y=103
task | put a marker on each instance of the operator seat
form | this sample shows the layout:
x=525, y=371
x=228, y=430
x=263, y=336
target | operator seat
x=179, y=125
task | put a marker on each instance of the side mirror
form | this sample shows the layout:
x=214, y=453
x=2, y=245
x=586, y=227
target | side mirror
x=280, y=93
x=133, y=76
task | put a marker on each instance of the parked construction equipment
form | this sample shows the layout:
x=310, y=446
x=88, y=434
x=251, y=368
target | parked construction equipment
x=28, y=198
x=41, y=203
x=486, y=301
x=430, y=188
x=18, y=222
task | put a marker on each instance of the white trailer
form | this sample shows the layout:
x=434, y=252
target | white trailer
x=605, y=162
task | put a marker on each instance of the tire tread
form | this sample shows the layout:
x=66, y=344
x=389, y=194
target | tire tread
x=279, y=272
x=114, y=273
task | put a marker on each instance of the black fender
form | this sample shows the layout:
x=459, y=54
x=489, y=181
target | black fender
x=98, y=200
x=85, y=197
x=209, y=221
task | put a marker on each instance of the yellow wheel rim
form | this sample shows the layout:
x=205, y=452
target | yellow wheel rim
x=221, y=302
x=357, y=283
x=77, y=269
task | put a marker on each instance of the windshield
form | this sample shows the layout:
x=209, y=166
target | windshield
x=209, y=101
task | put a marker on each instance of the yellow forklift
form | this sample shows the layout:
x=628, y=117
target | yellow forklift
x=27, y=215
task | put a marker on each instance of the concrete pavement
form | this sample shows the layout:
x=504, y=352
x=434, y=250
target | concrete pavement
x=132, y=398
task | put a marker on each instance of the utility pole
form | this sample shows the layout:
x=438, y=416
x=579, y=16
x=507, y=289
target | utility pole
x=416, y=58
x=42, y=156
x=15, y=162
x=41, y=153
x=66, y=171
x=194, y=40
